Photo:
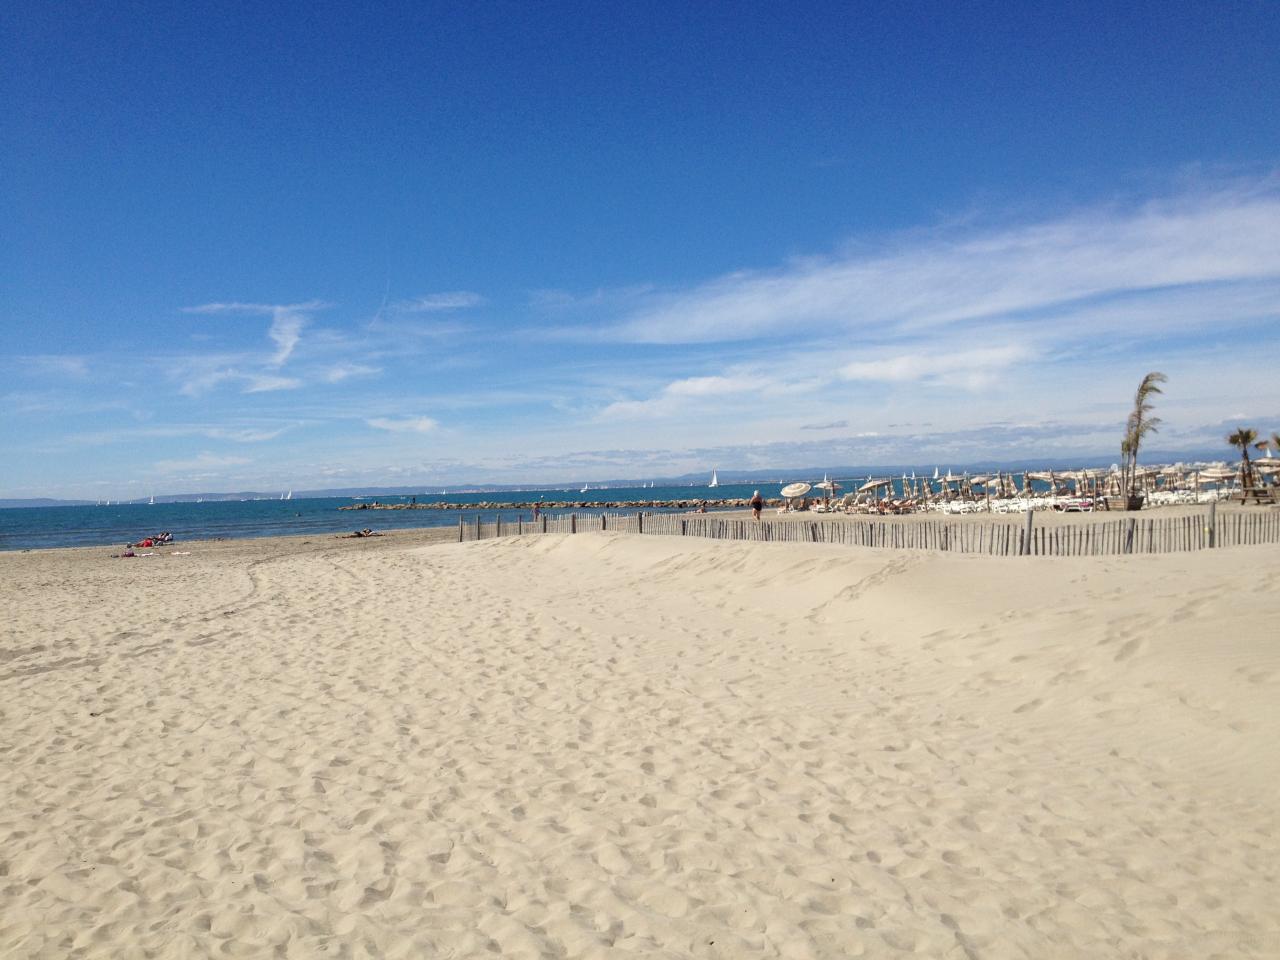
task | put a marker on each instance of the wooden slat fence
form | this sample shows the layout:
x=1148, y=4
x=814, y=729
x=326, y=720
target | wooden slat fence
x=1124, y=535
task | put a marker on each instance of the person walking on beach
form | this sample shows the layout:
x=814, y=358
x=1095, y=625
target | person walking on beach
x=757, y=504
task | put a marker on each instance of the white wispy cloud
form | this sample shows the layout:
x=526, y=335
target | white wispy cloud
x=264, y=383
x=286, y=331
x=403, y=425
x=243, y=434
x=926, y=282
x=671, y=399
x=199, y=382
x=233, y=434
x=346, y=371
x=287, y=321
x=967, y=369
x=438, y=302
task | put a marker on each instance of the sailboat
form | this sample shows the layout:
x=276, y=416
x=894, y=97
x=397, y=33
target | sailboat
x=287, y=496
x=152, y=501
x=585, y=488
x=715, y=481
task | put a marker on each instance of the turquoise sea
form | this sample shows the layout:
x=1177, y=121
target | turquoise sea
x=77, y=526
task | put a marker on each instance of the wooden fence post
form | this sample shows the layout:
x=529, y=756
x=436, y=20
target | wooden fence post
x=573, y=523
x=459, y=528
x=639, y=523
x=1026, y=541
x=497, y=525
x=477, y=526
x=1213, y=524
x=1128, y=536
x=544, y=523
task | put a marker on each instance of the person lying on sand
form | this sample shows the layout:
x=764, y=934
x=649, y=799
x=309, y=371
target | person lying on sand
x=366, y=532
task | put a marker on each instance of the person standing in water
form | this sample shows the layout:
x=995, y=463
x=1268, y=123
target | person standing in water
x=757, y=504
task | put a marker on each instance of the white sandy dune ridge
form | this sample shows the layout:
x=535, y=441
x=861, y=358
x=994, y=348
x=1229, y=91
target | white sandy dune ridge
x=602, y=746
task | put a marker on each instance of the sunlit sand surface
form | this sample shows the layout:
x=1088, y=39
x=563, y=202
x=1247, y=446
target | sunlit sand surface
x=603, y=746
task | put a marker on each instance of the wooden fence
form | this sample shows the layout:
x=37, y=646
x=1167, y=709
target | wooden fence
x=1125, y=535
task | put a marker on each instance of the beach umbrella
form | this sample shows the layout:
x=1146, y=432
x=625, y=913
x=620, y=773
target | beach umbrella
x=798, y=489
x=872, y=484
x=1217, y=474
x=1266, y=465
x=828, y=485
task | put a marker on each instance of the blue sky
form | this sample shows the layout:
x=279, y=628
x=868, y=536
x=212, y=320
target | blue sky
x=271, y=245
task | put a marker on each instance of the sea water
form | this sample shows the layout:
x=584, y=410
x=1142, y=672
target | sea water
x=76, y=526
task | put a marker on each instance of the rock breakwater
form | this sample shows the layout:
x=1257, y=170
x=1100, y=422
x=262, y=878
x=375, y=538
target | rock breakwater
x=564, y=505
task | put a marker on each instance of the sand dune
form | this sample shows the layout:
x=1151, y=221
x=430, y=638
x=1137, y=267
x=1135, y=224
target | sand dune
x=602, y=746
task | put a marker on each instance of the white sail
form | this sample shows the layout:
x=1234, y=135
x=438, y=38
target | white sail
x=715, y=481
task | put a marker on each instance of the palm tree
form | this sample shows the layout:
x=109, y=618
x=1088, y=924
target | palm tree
x=1243, y=438
x=1139, y=424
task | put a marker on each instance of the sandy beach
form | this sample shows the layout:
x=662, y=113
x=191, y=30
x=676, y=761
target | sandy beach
x=601, y=746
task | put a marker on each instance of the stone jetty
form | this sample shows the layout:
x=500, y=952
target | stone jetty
x=742, y=502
